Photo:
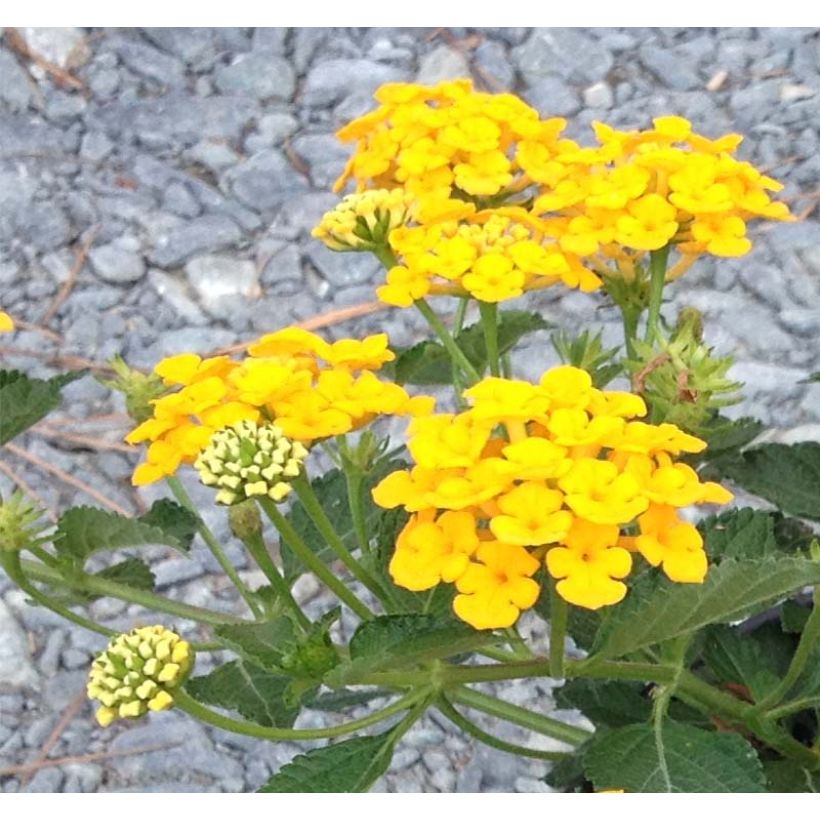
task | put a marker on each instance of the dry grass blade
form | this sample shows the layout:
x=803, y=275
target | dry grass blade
x=77, y=483
x=56, y=359
x=61, y=77
x=84, y=441
x=80, y=257
x=43, y=331
x=28, y=490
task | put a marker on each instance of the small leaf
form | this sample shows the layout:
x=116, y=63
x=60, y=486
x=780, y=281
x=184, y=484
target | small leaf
x=351, y=766
x=789, y=777
x=24, y=401
x=173, y=519
x=788, y=475
x=743, y=533
x=729, y=435
x=793, y=617
x=133, y=572
x=657, y=609
x=686, y=760
x=605, y=703
x=256, y=694
x=82, y=531
x=263, y=644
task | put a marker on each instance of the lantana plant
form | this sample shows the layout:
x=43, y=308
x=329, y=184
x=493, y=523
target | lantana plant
x=597, y=496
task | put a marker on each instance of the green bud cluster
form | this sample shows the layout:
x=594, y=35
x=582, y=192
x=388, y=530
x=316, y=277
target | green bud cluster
x=247, y=460
x=138, y=389
x=21, y=526
x=138, y=672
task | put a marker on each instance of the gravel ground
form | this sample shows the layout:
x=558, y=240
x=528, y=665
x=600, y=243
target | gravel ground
x=194, y=162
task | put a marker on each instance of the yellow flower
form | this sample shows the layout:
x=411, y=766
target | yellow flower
x=188, y=368
x=6, y=323
x=673, y=544
x=722, y=235
x=648, y=224
x=494, y=278
x=666, y=482
x=534, y=458
x=446, y=440
x=403, y=286
x=590, y=565
x=597, y=492
x=531, y=515
x=431, y=551
x=368, y=354
x=494, y=590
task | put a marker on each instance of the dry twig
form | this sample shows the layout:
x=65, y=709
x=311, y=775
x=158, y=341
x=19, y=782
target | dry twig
x=80, y=256
x=62, y=78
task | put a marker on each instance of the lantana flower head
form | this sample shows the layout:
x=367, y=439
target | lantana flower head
x=554, y=476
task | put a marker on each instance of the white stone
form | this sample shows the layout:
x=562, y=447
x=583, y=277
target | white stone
x=66, y=47
x=215, y=278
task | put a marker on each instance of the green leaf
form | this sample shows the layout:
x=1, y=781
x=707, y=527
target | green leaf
x=686, y=760
x=256, y=694
x=133, y=572
x=429, y=363
x=263, y=644
x=583, y=624
x=338, y=700
x=726, y=435
x=657, y=609
x=24, y=401
x=788, y=475
x=789, y=777
x=793, y=617
x=82, y=531
x=743, y=533
x=567, y=775
x=605, y=703
x=351, y=766
x=393, y=641
x=173, y=519
x=757, y=660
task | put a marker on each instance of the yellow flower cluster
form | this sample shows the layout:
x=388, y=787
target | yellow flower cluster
x=503, y=203
x=6, y=323
x=138, y=672
x=310, y=388
x=559, y=473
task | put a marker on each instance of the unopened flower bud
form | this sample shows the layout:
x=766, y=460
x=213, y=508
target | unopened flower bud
x=247, y=460
x=363, y=221
x=138, y=672
x=245, y=520
x=138, y=389
x=21, y=523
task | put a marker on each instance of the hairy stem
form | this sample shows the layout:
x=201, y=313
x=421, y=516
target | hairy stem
x=457, y=355
x=657, y=279
x=489, y=323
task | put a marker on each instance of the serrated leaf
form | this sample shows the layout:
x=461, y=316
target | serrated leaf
x=82, y=531
x=567, y=775
x=429, y=363
x=263, y=644
x=756, y=660
x=133, y=572
x=789, y=777
x=656, y=609
x=743, y=533
x=605, y=703
x=173, y=519
x=24, y=401
x=255, y=693
x=351, y=766
x=688, y=760
x=728, y=435
x=788, y=475
x=393, y=641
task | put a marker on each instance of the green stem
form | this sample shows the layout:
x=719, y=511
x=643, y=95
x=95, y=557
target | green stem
x=630, y=319
x=518, y=646
x=467, y=726
x=306, y=555
x=458, y=324
x=45, y=556
x=479, y=673
x=386, y=256
x=317, y=513
x=619, y=670
x=241, y=727
x=96, y=585
x=456, y=353
x=259, y=552
x=355, y=498
x=807, y=644
x=657, y=274
x=216, y=549
x=559, y=616
x=793, y=706
x=489, y=323
x=521, y=717
x=11, y=563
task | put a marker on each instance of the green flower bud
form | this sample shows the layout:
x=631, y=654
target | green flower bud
x=20, y=523
x=138, y=672
x=138, y=388
x=245, y=520
x=247, y=460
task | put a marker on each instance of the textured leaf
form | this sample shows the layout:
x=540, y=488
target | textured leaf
x=133, y=572
x=173, y=519
x=567, y=774
x=793, y=617
x=657, y=609
x=686, y=760
x=257, y=695
x=429, y=363
x=726, y=435
x=605, y=703
x=263, y=644
x=339, y=700
x=24, y=401
x=788, y=777
x=757, y=660
x=743, y=533
x=83, y=531
x=398, y=640
x=351, y=766
x=788, y=475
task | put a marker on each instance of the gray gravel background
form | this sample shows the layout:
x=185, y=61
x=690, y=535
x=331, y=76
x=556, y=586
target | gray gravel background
x=197, y=160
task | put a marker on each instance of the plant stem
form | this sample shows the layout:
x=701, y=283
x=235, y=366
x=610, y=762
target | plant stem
x=317, y=513
x=97, y=585
x=521, y=717
x=657, y=279
x=355, y=500
x=242, y=727
x=311, y=561
x=619, y=670
x=559, y=615
x=792, y=706
x=456, y=353
x=458, y=324
x=216, y=549
x=807, y=644
x=479, y=673
x=489, y=323
x=630, y=318
x=467, y=725
x=386, y=256
x=259, y=552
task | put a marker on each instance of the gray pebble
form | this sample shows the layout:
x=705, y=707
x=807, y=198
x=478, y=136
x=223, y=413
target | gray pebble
x=117, y=263
x=551, y=97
